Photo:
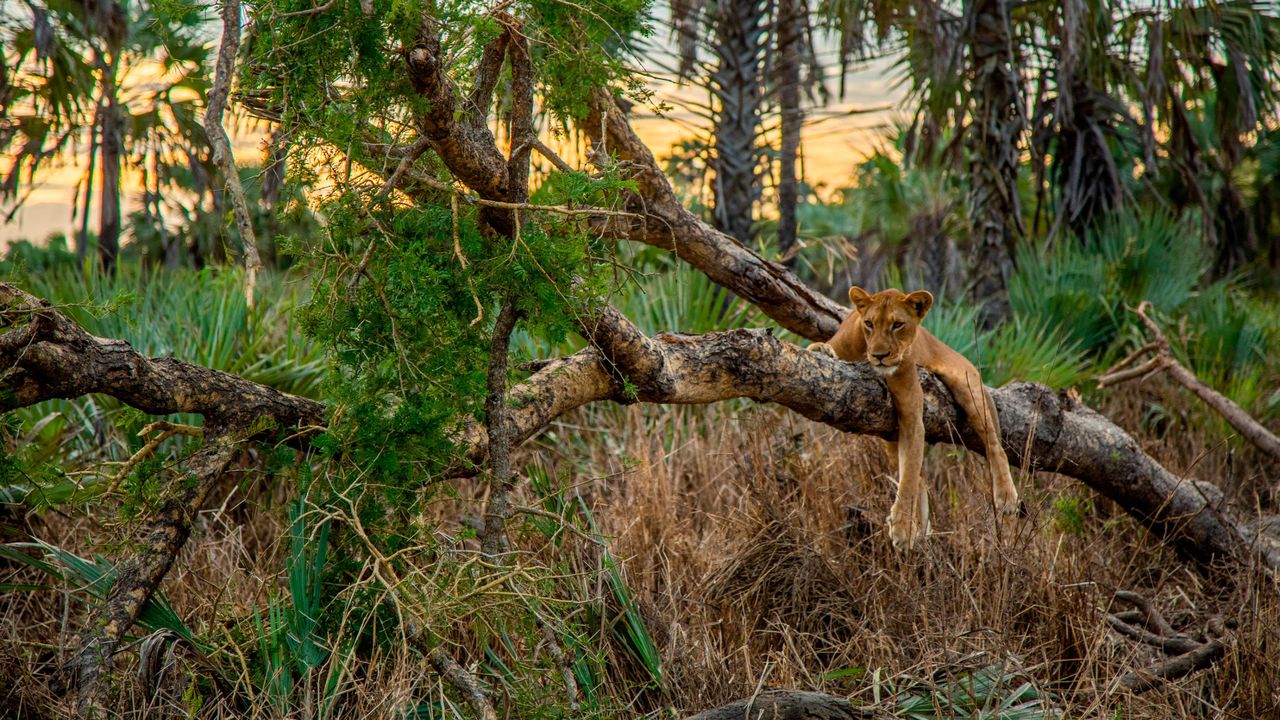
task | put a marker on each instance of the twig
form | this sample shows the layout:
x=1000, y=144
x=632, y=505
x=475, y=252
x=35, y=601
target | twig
x=1251, y=429
x=310, y=11
x=222, y=155
x=415, y=151
x=167, y=430
x=551, y=155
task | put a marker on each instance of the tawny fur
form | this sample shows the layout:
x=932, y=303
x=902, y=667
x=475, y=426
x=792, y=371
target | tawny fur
x=884, y=329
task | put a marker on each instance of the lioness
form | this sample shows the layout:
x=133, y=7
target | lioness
x=885, y=331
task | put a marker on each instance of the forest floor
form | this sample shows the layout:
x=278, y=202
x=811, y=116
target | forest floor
x=753, y=542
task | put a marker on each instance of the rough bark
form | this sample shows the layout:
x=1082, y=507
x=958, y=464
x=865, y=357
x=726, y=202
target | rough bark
x=1041, y=429
x=501, y=477
x=735, y=83
x=460, y=136
x=46, y=355
x=664, y=222
x=140, y=576
x=790, y=41
x=992, y=139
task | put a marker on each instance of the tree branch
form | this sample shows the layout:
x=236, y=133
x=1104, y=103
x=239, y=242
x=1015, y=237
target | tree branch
x=141, y=575
x=1041, y=429
x=221, y=144
x=667, y=224
x=60, y=360
x=1250, y=429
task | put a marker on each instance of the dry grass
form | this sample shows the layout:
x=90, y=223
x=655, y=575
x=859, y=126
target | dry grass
x=752, y=540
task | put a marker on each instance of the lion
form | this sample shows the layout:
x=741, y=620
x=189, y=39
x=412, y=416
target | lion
x=884, y=329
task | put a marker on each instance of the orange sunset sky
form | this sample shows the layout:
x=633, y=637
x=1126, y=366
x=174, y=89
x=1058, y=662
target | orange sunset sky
x=836, y=136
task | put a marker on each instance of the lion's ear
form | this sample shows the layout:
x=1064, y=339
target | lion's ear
x=919, y=301
x=859, y=297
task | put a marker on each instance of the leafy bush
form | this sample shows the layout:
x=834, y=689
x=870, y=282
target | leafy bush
x=1083, y=287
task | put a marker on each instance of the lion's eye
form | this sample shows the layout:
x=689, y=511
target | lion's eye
x=867, y=324
x=898, y=325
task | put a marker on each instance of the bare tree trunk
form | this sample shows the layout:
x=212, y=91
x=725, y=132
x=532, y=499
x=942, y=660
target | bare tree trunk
x=993, y=155
x=739, y=48
x=112, y=146
x=791, y=15
x=82, y=237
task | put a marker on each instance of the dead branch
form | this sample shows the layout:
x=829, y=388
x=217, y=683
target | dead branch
x=141, y=574
x=1189, y=655
x=221, y=144
x=1250, y=429
x=1140, y=681
x=790, y=705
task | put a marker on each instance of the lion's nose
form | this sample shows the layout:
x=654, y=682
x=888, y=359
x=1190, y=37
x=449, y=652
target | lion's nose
x=880, y=356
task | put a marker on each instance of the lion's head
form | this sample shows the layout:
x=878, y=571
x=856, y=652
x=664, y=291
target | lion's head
x=890, y=319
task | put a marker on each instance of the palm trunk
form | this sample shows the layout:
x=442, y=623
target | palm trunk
x=790, y=15
x=82, y=237
x=993, y=156
x=736, y=85
x=112, y=144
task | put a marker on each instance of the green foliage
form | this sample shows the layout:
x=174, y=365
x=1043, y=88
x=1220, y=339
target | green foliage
x=410, y=335
x=1084, y=287
x=1024, y=348
x=989, y=693
x=293, y=665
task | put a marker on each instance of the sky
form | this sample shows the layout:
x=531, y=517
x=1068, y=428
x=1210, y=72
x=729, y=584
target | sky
x=835, y=137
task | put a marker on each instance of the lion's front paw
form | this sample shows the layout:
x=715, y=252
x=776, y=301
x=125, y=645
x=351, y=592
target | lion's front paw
x=1004, y=493
x=823, y=348
x=906, y=528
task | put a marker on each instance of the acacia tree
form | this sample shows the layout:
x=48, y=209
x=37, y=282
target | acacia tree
x=439, y=244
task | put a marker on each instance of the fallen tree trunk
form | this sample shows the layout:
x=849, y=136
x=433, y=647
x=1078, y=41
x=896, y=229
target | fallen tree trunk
x=1042, y=430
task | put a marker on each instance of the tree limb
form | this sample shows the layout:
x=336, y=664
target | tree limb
x=139, y=577
x=1250, y=429
x=221, y=144
x=667, y=224
x=58, y=359
x=1041, y=429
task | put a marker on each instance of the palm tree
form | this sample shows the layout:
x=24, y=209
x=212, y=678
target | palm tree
x=123, y=76
x=1097, y=82
x=758, y=50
